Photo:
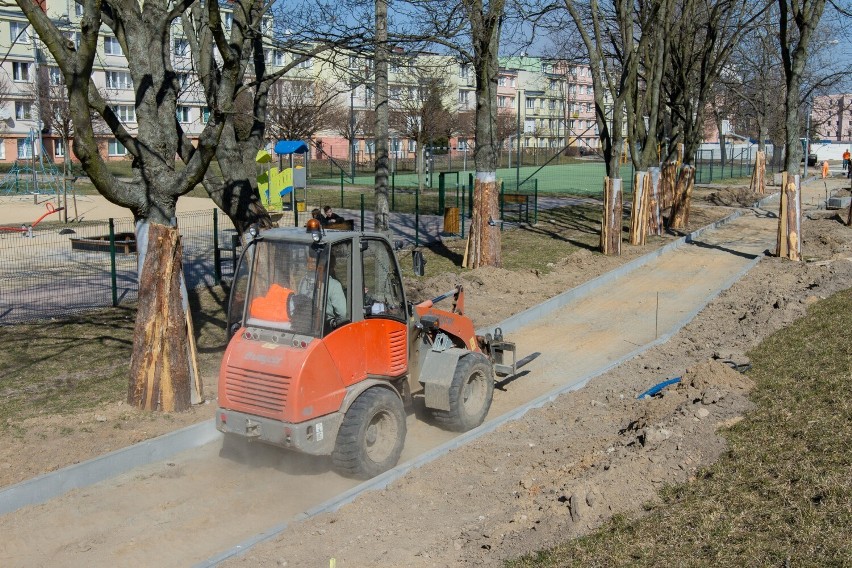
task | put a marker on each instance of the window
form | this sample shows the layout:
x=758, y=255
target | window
x=19, y=32
x=125, y=113
x=412, y=146
x=278, y=58
x=180, y=47
x=116, y=148
x=529, y=125
x=2, y=149
x=383, y=295
x=353, y=62
x=58, y=148
x=229, y=21
x=464, y=98
x=395, y=93
x=20, y=71
x=551, y=104
x=205, y=114
x=25, y=148
x=502, y=81
x=394, y=67
x=554, y=84
x=395, y=145
x=183, y=114
x=78, y=9
x=23, y=110
x=531, y=104
x=183, y=80
x=464, y=71
x=111, y=46
x=306, y=64
x=55, y=75
x=266, y=26
x=118, y=80
x=462, y=144
x=546, y=68
x=370, y=146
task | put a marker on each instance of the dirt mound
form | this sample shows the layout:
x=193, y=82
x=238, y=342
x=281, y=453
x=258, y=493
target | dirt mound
x=734, y=197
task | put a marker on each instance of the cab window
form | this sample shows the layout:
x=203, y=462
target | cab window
x=383, y=295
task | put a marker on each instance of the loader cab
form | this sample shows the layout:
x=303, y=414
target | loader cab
x=290, y=283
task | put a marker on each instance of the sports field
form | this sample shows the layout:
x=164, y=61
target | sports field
x=565, y=179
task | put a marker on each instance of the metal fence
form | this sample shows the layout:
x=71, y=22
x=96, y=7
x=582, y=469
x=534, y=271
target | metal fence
x=739, y=163
x=59, y=270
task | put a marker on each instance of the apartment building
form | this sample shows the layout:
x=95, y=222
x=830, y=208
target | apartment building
x=554, y=98
x=831, y=117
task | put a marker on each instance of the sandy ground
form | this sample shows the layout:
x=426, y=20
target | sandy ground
x=557, y=472
x=27, y=210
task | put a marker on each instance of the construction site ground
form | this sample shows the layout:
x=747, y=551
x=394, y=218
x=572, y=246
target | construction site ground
x=556, y=472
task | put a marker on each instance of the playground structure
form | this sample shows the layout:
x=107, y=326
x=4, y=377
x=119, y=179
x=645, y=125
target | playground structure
x=33, y=176
x=277, y=185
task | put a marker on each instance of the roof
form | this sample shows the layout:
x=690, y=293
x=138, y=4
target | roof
x=291, y=147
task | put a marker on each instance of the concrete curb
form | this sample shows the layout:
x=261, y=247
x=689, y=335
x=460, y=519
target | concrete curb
x=50, y=485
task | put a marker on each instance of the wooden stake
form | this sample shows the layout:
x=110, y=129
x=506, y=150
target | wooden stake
x=466, y=250
x=196, y=397
x=655, y=216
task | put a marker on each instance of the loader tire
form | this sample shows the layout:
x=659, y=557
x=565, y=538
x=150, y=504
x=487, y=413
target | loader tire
x=470, y=394
x=372, y=435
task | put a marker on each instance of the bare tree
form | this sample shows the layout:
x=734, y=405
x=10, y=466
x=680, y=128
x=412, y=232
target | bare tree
x=160, y=375
x=420, y=113
x=298, y=109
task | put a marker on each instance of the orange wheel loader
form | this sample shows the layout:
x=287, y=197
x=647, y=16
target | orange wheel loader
x=325, y=353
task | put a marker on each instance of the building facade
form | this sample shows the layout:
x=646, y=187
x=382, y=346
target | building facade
x=541, y=103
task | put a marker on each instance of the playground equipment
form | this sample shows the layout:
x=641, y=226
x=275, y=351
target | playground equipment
x=32, y=176
x=28, y=229
x=278, y=185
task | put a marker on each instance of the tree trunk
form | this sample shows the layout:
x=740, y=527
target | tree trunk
x=667, y=183
x=640, y=209
x=159, y=366
x=382, y=211
x=655, y=217
x=758, y=175
x=789, y=243
x=679, y=217
x=611, y=221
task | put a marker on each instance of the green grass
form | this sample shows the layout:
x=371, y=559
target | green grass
x=782, y=495
x=65, y=366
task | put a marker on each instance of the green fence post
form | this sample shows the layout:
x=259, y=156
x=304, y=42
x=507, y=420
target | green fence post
x=341, y=190
x=217, y=254
x=502, y=198
x=362, y=211
x=461, y=211
x=112, y=262
x=393, y=191
x=417, y=215
x=441, y=188
x=535, y=202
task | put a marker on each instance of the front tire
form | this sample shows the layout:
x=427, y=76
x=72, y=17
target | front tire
x=372, y=435
x=471, y=392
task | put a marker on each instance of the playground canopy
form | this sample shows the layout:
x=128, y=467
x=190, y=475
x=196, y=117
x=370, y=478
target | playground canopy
x=290, y=147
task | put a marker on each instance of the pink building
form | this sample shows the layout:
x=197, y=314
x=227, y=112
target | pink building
x=831, y=118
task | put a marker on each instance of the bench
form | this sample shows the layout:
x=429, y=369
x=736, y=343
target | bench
x=519, y=202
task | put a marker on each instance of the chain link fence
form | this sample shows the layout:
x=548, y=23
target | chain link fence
x=55, y=271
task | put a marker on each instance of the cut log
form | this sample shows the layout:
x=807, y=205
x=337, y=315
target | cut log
x=655, y=214
x=611, y=219
x=679, y=217
x=485, y=223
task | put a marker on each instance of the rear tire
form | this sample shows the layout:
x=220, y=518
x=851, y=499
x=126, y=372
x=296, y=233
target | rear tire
x=470, y=394
x=372, y=435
